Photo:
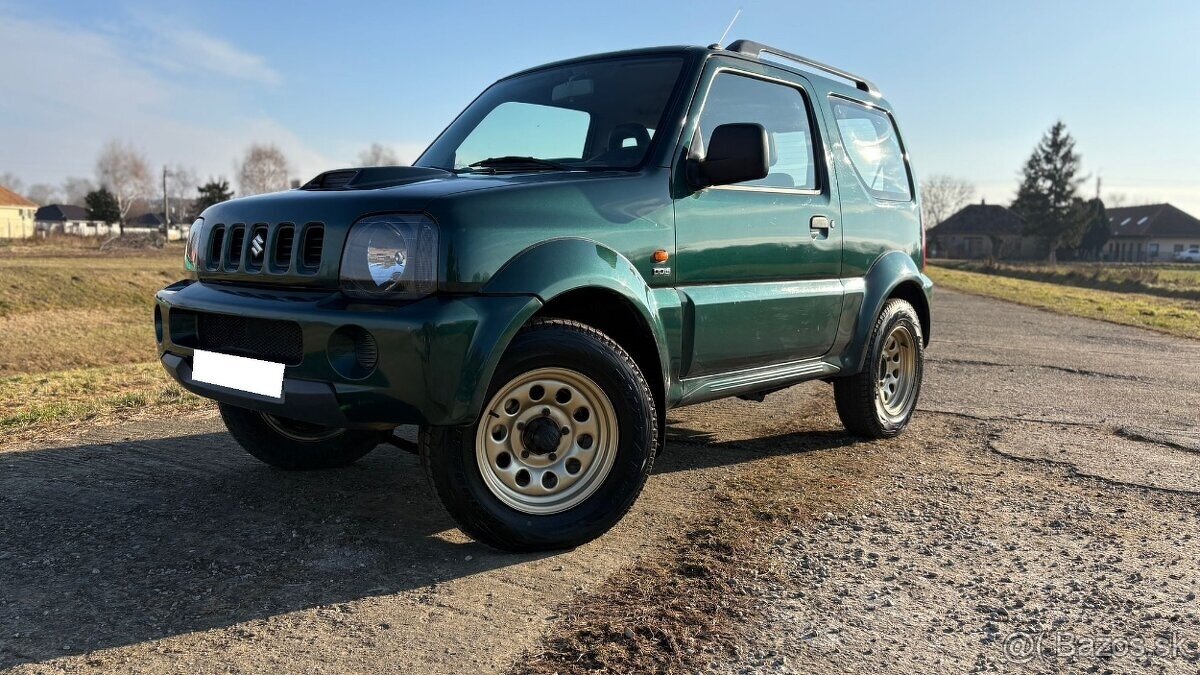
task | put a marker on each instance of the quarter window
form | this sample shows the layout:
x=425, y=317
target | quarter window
x=781, y=110
x=874, y=149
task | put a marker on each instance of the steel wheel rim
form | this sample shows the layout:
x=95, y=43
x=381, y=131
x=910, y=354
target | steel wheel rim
x=896, y=376
x=301, y=431
x=514, y=460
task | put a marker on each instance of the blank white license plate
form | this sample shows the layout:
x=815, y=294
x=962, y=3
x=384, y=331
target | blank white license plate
x=238, y=372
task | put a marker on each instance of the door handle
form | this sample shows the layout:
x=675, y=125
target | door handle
x=821, y=223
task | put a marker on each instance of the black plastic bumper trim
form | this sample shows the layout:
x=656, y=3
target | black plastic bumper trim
x=313, y=402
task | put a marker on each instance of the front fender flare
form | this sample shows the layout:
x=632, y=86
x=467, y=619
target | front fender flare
x=552, y=268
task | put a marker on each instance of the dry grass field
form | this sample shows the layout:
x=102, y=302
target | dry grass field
x=76, y=339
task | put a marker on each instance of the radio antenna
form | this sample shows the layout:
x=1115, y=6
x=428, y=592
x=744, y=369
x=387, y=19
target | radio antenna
x=727, y=28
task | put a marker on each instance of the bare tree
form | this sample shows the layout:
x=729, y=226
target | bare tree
x=264, y=169
x=42, y=194
x=126, y=174
x=942, y=196
x=182, y=184
x=75, y=190
x=378, y=155
x=10, y=180
x=1116, y=200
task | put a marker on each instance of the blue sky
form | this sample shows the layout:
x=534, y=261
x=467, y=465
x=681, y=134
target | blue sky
x=974, y=84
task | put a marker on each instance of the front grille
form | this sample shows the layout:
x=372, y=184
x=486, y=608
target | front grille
x=264, y=339
x=264, y=248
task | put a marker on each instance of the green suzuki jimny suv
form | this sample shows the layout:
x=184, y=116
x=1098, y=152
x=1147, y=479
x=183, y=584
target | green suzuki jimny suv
x=589, y=244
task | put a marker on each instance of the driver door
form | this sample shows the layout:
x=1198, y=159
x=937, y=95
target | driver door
x=758, y=263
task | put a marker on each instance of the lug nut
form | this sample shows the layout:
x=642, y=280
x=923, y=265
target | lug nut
x=524, y=454
x=565, y=431
x=520, y=425
x=545, y=412
x=553, y=456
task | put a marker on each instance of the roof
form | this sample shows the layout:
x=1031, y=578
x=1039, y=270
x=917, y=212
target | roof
x=982, y=219
x=10, y=198
x=818, y=73
x=1152, y=220
x=148, y=220
x=62, y=213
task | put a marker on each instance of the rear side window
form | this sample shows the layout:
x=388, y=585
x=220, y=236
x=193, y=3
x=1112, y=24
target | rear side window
x=874, y=149
x=781, y=110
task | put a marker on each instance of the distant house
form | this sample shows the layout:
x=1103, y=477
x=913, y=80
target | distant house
x=147, y=222
x=1151, y=233
x=16, y=215
x=981, y=231
x=70, y=219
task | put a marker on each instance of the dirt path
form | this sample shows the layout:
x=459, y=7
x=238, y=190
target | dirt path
x=1012, y=503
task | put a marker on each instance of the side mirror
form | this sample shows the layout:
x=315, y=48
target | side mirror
x=736, y=153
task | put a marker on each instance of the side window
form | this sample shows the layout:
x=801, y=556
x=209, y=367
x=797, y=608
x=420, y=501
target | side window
x=781, y=110
x=874, y=149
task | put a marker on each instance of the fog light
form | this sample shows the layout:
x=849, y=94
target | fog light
x=353, y=352
x=158, y=329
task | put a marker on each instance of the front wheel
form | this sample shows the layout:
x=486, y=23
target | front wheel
x=563, y=446
x=879, y=401
x=294, y=445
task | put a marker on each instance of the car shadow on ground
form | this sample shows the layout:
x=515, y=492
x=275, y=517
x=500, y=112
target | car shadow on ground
x=112, y=544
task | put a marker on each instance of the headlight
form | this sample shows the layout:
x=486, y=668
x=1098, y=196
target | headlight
x=191, y=251
x=391, y=256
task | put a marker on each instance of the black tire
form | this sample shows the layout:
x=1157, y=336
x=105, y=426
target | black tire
x=449, y=454
x=296, y=446
x=859, y=404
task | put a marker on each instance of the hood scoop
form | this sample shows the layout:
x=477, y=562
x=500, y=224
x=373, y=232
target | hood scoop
x=374, y=177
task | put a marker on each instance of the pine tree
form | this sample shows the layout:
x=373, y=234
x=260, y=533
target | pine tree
x=1047, y=198
x=212, y=192
x=1096, y=230
x=102, y=206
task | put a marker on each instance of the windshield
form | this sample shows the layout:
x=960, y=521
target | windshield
x=593, y=115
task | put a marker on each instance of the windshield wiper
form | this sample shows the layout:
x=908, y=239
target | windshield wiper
x=515, y=162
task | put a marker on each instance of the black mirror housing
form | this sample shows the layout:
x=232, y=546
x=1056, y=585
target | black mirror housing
x=736, y=153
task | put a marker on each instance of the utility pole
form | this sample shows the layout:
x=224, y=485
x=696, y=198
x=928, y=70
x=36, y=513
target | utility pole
x=166, y=204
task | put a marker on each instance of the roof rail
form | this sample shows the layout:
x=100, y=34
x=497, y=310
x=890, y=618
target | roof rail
x=755, y=49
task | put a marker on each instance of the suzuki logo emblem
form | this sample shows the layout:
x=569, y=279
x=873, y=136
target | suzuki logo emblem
x=257, y=246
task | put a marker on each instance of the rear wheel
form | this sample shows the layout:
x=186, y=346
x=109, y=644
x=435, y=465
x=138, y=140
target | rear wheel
x=879, y=401
x=561, y=450
x=295, y=445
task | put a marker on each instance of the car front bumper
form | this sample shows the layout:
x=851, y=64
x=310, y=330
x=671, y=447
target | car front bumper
x=435, y=356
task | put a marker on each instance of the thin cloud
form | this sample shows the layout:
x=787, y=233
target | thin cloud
x=183, y=46
x=72, y=88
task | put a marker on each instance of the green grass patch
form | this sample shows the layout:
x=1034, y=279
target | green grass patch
x=1168, y=315
x=44, y=400
x=1169, y=281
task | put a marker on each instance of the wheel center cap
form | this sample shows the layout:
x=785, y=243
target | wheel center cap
x=541, y=436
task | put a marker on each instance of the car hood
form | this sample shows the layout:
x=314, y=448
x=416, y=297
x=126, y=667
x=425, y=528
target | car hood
x=334, y=201
x=399, y=189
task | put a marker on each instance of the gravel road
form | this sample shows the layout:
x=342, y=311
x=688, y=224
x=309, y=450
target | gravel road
x=1048, y=488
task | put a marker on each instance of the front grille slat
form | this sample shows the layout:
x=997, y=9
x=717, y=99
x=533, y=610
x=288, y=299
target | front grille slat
x=263, y=248
x=237, y=241
x=263, y=339
x=285, y=239
x=311, y=248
